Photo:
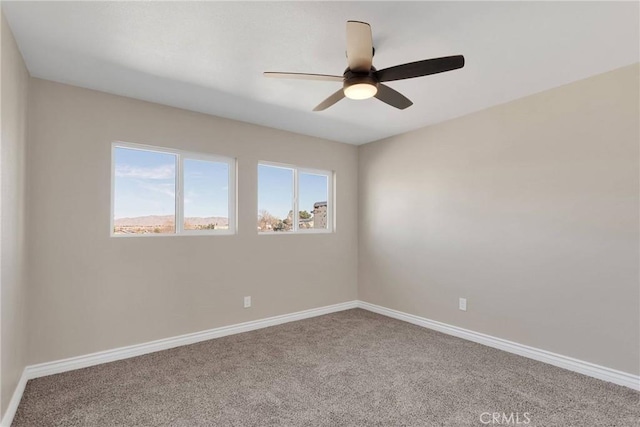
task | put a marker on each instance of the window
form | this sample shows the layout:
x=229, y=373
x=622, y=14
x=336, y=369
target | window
x=158, y=191
x=292, y=199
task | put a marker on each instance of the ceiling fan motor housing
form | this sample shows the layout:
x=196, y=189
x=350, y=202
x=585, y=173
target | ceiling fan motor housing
x=360, y=85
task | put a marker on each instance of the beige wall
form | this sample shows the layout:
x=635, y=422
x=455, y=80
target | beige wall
x=13, y=286
x=90, y=292
x=528, y=209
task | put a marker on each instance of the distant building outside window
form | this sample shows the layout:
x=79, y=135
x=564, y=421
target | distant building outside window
x=286, y=192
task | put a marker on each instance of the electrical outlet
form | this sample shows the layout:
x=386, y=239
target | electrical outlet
x=247, y=302
x=462, y=304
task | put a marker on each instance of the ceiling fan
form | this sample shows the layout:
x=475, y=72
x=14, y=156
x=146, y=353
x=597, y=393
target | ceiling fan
x=362, y=81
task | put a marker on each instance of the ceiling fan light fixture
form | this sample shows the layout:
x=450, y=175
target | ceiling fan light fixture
x=360, y=91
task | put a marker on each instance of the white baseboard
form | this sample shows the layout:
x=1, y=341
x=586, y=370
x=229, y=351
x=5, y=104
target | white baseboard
x=64, y=365
x=7, y=419
x=569, y=363
x=70, y=364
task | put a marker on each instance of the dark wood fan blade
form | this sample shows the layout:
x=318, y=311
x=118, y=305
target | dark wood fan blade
x=359, y=46
x=303, y=76
x=330, y=101
x=420, y=68
x=393, y=97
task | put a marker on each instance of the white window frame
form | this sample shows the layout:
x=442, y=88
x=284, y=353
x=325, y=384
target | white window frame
x=179, y=193
x=297, y=170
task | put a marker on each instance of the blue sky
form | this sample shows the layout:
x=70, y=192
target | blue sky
x=313, y=188
x=145, y=185
x=275, y=190
x=206, y=189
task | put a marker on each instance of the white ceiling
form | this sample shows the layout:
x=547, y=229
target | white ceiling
x=209, y=57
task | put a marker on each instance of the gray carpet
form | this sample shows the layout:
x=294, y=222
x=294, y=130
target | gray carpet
x=352, y=368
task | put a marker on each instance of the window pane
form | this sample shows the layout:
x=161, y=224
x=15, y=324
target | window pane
x=313, y=197
x=206, y=195
x=144, y=192
x=275, y=199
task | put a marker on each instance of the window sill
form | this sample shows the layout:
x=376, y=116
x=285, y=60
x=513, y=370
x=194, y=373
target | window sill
x=293, y=233
x=187, y=234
